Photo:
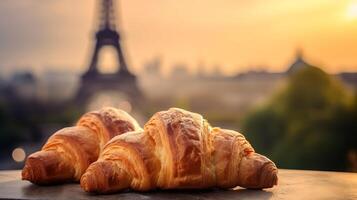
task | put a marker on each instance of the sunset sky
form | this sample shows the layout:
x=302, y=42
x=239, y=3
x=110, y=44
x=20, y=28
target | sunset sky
x=237, y=35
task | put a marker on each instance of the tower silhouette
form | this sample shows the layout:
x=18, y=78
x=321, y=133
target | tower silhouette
x=93, y=81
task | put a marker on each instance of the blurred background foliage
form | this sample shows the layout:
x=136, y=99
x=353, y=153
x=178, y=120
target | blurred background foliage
x=310, y=124
x=23, y=121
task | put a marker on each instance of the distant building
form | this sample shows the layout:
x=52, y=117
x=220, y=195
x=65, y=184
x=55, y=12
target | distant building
x=201, y=71
x=350, y=78
x=24, y=84
x=217, y=71
x=53, y=81
x=298, y=64
x=259, y=74
x=180, y=71
x=2, y=82
x=153, y=68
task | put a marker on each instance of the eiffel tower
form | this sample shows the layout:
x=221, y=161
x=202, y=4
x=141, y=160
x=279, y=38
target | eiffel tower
x=93, y=81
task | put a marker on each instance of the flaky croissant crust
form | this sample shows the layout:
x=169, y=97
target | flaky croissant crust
x=68, y=152
x=178, y=149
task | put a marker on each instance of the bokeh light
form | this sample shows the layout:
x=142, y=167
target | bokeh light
x=19, y=154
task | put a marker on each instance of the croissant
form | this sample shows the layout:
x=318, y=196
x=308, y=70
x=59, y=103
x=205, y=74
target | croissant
x=68, y=152
x=178, y=149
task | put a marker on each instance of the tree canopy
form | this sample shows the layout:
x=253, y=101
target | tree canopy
x=309, y=124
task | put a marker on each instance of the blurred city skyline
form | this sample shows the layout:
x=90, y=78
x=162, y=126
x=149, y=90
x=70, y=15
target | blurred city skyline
x=236, y=36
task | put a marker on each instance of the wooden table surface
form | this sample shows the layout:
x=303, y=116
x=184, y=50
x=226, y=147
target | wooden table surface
x=293, y=184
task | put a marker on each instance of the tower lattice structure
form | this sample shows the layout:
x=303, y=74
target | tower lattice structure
x=122, y=80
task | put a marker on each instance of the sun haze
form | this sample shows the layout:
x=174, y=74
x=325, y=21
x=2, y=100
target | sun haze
x=237, y=35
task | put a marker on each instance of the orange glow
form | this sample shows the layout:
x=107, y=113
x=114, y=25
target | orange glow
x=238, y=35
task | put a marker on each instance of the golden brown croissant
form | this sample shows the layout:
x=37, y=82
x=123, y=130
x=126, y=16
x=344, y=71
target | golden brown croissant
x=68, y=152
x=178, y=149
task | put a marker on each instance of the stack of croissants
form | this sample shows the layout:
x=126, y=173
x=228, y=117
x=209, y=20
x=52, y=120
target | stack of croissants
x=107, y=151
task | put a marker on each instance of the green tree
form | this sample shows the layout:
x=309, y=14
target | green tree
x=307, y=125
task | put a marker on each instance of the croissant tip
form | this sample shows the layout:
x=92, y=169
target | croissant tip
x=88, y=182
x=270, y=177
x=83, y=183
x=26, y=173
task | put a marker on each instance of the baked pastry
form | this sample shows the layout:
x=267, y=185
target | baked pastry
x=178, y=149
x=68, y=152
